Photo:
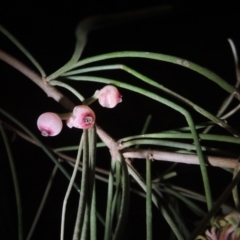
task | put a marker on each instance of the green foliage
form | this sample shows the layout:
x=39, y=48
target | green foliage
x=123, y=177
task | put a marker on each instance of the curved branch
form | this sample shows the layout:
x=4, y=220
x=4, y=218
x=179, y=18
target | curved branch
x=222, y=162
x=48, y=89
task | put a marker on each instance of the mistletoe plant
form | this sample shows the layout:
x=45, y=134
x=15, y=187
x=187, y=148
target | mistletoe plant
x=80, y=115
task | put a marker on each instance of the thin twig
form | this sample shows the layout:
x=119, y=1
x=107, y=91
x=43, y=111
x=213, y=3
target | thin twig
x=223, y=162
x=178, y=157
x=45, y=195
x=48, y=89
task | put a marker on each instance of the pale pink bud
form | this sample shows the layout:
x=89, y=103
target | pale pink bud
x=50, y=124
x=82, y=117
x=109, y=96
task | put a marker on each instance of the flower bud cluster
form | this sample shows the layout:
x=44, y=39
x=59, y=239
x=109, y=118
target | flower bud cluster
x=83, y=117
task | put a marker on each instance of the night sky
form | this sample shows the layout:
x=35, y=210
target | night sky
x=197, y=32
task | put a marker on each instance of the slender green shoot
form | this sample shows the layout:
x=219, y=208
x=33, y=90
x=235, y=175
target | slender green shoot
x=92, y=190
x=84, y=188
x=231, y=112
x=43, y=201
x=23, y=49
x=74, y=148
x=145, y=127
x=165, y=213
x=154, y=141
x=70, y=185
x=15, y=183
x=235, y=189
x=71, y=89
x=191, y=205
x=168, y=175
x=162, y=57
x=166, y=135
x=108, y=218
x=149, y=199
x=93, y=215
x=115, y=202
x=80, y=44
x=173, y=209
x=123, y=212
x=85, y=228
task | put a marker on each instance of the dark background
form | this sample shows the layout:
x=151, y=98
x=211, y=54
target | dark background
x=197, y=32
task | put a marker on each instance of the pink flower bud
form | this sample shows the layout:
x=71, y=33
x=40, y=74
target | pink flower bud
x=82, y=117
x=109, y=96
x=50, y=124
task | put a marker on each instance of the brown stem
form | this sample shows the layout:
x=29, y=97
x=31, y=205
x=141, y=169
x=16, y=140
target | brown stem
x=179, y=157
x=48, y=89
x=223, y=162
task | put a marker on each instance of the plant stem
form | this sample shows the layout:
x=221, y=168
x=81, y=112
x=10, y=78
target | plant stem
x=70, y=185
x=149, y=199
x=15, y=183
x=166, y=58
